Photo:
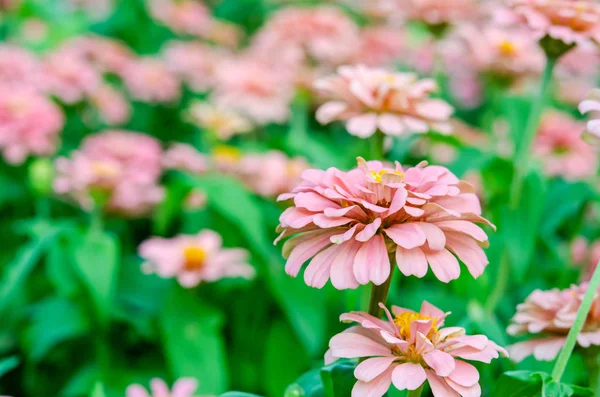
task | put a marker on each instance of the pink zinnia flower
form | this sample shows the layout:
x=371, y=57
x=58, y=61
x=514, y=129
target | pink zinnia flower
x=409, y=349
x=562, y=151
x=122, y=167
x=570, y=21
x=551, y=314
x=70, y=77
x=189, y=17
x=224, y=123
x=372, y=99
x=19, y=68
x=183, y=387
x=112, y=106
x=380, y=46
x=149, y=80
x=440, y=12
x=194, y=258
x=30, y=124
x=272, y=173
x=592, y=104
x=181, y=156
x=107, y=55
x=349, y=222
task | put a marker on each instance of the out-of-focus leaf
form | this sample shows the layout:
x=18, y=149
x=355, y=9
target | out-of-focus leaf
x=531, y=384
x=96, y=255
x=308, y=385
x=53, y=321
x=238, y=394
x=228, y=197
x=279, y=371
x=563, y=201
x=487, y=322
x=338, y=379
x=7, y=364
x=167, y=209
x=59, y=268
x=516, y=111
x=98, y=390
x=555, y=389
x=192, y=339
x=80, y=382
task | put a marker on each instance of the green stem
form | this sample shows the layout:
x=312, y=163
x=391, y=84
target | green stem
x=523, y=147
x=376, y=149
x=502, y=278
x=582, y=313
x=417, y=392
x=379, y=293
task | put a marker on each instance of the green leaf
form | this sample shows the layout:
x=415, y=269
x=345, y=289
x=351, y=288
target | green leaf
x=532, y=384
x=563, y=202
x=8, y=364
x=338, y=379
x=238, y=394
x=169, y=207
x=98, y=390
x=308, y=385
x=96, y=257
x=193, y=341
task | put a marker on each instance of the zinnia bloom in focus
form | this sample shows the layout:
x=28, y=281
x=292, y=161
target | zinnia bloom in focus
x=549, y=315
x=592, y=104
x=350, y=222
x=194, y=258
x=409, y=349
x=183, y=387
x=375, y=99
x=559, y=146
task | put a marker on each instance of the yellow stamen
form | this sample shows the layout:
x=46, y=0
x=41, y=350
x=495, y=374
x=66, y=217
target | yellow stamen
x=405, y=320
x=194, y=257
x=377, y=175
x=104, y=169
x=507, y=48
x=227, y=153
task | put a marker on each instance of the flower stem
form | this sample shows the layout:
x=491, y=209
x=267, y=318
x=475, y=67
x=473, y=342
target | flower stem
x=379, y=293
x=523, y=147
x=417, y=392
x=376, y=149
x=586, y=304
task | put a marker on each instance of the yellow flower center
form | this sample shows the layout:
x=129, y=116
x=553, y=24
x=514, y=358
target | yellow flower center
x=377, y=175
x=507, y=48
x=104, y=169
x=194, y=258
x=405, y=320
x=227, y=153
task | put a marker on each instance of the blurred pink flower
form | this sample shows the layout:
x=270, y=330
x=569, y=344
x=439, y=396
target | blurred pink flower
x=322, y=35
x=226, y=159
x=105, y=54
x=380, y=46
x=559, y=146
x=272, y=173
x=350, y=222
x=181, y=156
x=194, y=258
x=224, y=123
x=586, y=255
x=69, y=77
x=149, y=80
x=592, y=131
x=113, y=107
x=195, y=63
x=183, y=387
x=254, y=89
x=19, y=68
x=570, y=21
x=375, y=99
x=121, y=167
x=409, y=349
x=576, y=74
x=549, y=315
x=30, y=124
x=188, y=17
x=440, y=12
x=196, y=200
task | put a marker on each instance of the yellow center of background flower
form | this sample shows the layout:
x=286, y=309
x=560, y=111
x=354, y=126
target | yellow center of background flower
x=227, y=153
x=507, y=48
x=405, y=320
x=105, y=170
x=194, y=258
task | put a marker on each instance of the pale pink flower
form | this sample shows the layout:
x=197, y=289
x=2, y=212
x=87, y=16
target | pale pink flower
x=409, y=349
x=254, y=89
x=380, y=46
x=19, y=68
x=194, y=258
x=34, y=30
x=558, y=144
x=350, y=222
x=226, y=159
x=223, y=122
x=181, y=156
x=570, y=21
x=549, y=315
x=69, y=77
x=440, y=12
x=105, y=54
x=225, y=34
x=30, y=124
x=324, y=35
x=111, y=104
x=592, y=131
x=188, y=17
x=122, y=167
x=183, y=387
x=272, y=173
x=586, y=255
x=375, y=99
x=195, y=63
x=149, y=80
x=576, y=74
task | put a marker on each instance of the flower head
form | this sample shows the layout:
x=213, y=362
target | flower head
x=19, y=68
x=185, y=16
x=409, y=349
x=111, y=104
x=183, y=387
x=181, y=156
x=149, y=80
x=194, y=258
x=549, y=315
x=440, y=12
x=371, y=99
x=349, y=222
x=219, y=120
x=592, y=104
x=70, y=77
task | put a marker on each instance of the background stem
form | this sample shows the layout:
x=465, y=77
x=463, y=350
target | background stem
x=417, y=392
x=586, y=304
x=376, y=149
x=379, y=293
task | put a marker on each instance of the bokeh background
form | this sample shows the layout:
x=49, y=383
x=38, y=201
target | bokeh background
x=222, y=93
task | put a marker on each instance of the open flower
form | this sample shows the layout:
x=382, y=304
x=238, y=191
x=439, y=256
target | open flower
x=350, y=222
x=440, y=12
x=184, y=157
x=149, y=80
x=592, y=104
x=409, y=349
x=550, y=315
x=194, y=258
x=70, y=77
x=371, y=99
x=183, y=387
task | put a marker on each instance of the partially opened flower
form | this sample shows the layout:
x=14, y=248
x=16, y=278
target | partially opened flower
x=193, y=259
x=549, y=316
x=558, y=144
x=374, y=99
x=149, y=80
x=350, y=223
x=409, y=349
x=592, y=131
x=183, y=387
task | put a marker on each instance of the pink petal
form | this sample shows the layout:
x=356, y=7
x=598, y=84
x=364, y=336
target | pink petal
x=351, y=345
x=363, y=126
x=317, y=271
x=441, y=362
x=464, y=374
x=466, y=227
x=136, y=391
x=411, y=262
x=159, y=388
x=439, y=387
x=435, y=237
x=391, y=124
x=376, y=388
x=184, y=387
x=341, y=273
x=464, y=391
x=408, y=376
x=469, y=252
x=304, y=251
x=373, y=367
x=407, y=235
x=329, y=111
x=369, y=231
x=372, y=262
x=443, y=264
x=398, y=201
